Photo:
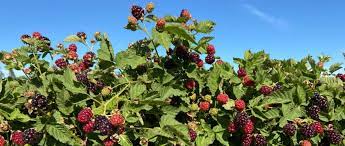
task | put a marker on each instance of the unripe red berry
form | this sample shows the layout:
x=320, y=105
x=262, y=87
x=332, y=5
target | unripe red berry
x=17, y=138
x=2, y=141
x=72, y=48
x=199, y=63
x=185, y=14
x=210, y=49
x=305, y=143
x=75, y=68
x=222, y=98
x=265, y=90
x=318, y=127
x=160, y=24
x=248, y=127
x=117, y=119
x=85, y=115
x=204, y=105
x=36, y=35
x=89, y=127
x=240, y=105
x=72, y=55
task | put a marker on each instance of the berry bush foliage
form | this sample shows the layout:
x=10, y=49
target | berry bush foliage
x=159, y=91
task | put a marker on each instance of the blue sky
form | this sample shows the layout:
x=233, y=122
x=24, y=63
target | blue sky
x=293, y=28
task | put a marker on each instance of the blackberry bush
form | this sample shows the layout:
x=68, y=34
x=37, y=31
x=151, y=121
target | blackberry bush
x=186, y=96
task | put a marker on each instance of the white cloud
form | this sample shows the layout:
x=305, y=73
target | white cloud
x=275, y=21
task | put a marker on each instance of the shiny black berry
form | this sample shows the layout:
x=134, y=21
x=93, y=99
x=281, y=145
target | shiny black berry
x=313, y=111
x=137, y=12
x=247, y=140
x=241, y=118
x=39, y=102
x=103, y=125
x=260, y=140
x=319, y=101
x=210, y=58
x=31, y=136
x=334, y=137
x=82, y=78
x=289, y=129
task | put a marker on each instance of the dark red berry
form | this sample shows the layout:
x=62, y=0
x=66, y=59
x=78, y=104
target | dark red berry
x=318, y=127
x=117, y=119
x=210, y=58
x=85, y=115
x=192, y=135
x=137, y=12
x=289, y=129
x=72, y=47
x=204, y=106
x=265, y=90
x=341, y=77
x=89, y=56
x=199, y=63
x=36, y=35
x=190, y=84
x=222, y=98
x=210, y=49
x=109, y=142
x=61, y=63
x=194, y=57
x=72, y=55
x=260, y=140
x=232, y=128
x=31, y=136
x=248, y=127
x=241, y=72
x=240, y=105
x=307, y=131
x=182, y=52
x=17, y=138
x=89, y=127
x=319, y=101
x=247, y=140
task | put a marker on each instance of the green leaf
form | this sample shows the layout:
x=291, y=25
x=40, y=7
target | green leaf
x=17, y=115
x=124, y=140
x=129, y=58
x=72, y=39
x=137, y=90
x=162, y=38
x=62, y=134
x=106, y=52
x=177, y=29
x=68, y=81
x=204, y=26
x=202, y=44
x=301, y=95
x=64, y=105
x=167, y=91
x=334, y=67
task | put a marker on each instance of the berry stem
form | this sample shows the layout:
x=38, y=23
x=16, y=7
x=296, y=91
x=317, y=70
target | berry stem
x=147, y=33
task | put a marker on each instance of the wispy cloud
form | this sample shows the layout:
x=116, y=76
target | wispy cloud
x=275, y=21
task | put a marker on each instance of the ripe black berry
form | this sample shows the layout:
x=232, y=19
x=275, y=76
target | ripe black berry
x=289, y=129
x=313, y=111
x=194, y=57
x=247, y=140
x=260, y=140
x=334, y=137
x=210, y=58
x=103, y=125
x=241, y=118
x=307, y=131
x=31, y=136
x=82, y=78
x=319, y=101
x=91, y=87
x=39, y=102
x=170, y=64
x=278, y=86
x=137, y=12
x=182, y=52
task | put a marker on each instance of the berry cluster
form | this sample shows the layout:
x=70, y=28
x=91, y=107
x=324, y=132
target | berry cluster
x=317, y=103
x=106, y=126
x=29, y=136
x=246, y=79
x=210, y=54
